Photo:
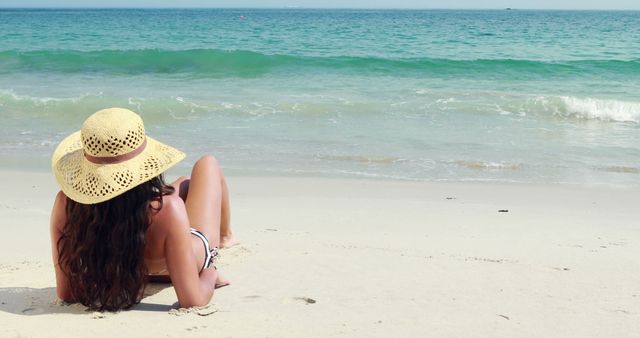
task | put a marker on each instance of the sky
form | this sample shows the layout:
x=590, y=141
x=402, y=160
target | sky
x=453, y=4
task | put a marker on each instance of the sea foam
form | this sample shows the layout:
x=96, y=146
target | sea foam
x=606, y=110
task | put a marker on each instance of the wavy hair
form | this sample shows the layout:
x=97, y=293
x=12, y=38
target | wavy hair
x=101, y=250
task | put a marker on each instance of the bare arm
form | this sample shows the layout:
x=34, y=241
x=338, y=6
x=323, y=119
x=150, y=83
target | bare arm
x=57, y=222
x=192, y=288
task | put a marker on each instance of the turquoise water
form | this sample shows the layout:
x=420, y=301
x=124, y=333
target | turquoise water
x=509, y=96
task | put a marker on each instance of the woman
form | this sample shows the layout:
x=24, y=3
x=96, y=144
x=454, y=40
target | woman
x=115, y=222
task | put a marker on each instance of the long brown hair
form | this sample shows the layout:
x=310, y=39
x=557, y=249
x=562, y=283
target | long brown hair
x=101, y=250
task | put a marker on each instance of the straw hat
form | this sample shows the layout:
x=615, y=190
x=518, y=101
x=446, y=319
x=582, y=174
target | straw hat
x=110, y=155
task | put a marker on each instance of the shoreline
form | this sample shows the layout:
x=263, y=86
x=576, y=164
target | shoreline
x=340, y=257
x=176, y=171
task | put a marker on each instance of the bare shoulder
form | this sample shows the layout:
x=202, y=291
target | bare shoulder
x=58, y=213
x=171, y=216
x=60, y=201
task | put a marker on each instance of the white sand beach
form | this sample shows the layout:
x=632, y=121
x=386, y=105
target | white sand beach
x=332, y=257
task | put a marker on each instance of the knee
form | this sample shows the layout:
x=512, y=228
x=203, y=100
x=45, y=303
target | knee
x=208, y=161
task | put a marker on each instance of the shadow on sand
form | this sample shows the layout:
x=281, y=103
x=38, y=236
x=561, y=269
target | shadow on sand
x=32, y=302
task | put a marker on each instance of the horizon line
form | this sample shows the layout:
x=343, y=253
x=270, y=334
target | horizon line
x=330, y=8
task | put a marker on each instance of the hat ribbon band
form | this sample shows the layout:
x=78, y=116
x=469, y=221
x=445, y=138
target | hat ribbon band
x=119, y=158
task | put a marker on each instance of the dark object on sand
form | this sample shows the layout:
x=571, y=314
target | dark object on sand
x=307, y=300
x=503, y=210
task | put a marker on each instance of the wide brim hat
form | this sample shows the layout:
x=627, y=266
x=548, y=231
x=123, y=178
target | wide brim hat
x=110, y=155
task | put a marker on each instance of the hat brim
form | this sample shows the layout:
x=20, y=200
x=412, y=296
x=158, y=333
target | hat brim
x=89, y=183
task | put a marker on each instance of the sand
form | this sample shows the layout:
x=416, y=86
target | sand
x=331, y=257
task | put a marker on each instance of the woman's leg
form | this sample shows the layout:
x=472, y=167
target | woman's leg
x=205, y=195
x=204, y=198
x=226, y=238
x=181, y=186
x=226, y=235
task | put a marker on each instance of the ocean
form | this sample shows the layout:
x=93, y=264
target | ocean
x=545, y=97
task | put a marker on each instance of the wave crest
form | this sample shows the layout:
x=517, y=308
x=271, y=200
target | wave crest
x=606, y=110
x=221, y=63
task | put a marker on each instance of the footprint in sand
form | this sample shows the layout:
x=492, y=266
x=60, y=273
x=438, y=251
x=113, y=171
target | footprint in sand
x=234, y=254
x=8, y=268
x=31, y=311
x=195, y=328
